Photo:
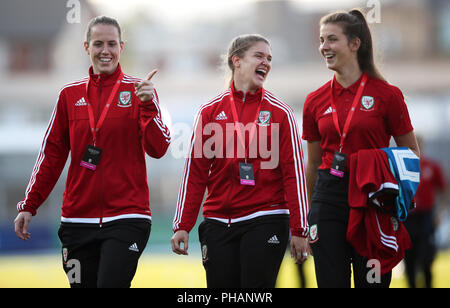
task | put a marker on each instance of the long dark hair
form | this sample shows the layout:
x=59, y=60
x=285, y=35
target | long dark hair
x=354, y=25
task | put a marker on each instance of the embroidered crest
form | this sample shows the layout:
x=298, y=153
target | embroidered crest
x=313, y=235
x=264, y=118
x=204, y=253
x=367, y=102
x=124, y=99
x=65, y=253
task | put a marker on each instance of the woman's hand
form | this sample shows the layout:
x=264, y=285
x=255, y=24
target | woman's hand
x=21, y=224
x=145, y=89
x=300, y=249
x=179, y=237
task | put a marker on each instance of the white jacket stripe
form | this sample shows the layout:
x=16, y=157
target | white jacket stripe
x=183, y=187
x=41, y=155
x=298, y=158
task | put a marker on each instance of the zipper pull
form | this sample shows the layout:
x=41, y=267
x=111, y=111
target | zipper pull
x=229, y=222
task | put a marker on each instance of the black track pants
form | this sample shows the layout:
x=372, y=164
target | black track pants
x=105, y=257
x=246, y=254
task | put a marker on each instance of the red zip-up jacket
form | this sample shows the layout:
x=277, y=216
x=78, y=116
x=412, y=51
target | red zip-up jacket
x=373, y=231
x=118, y=187
x=277, y=190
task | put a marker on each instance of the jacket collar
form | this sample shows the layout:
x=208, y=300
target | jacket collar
x=105, y=79
x=249, y=97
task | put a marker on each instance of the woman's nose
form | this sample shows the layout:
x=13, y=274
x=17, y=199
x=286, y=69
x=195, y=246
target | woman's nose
x=105, y=49
x=324, y=45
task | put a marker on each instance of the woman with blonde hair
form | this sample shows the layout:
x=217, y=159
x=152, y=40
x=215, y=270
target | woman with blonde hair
x=252, y=204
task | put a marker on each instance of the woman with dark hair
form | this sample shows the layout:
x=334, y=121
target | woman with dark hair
x=253, y=200
x=107, y=121
x=355, y=110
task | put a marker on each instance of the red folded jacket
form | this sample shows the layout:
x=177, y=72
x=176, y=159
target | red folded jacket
x=373, y=230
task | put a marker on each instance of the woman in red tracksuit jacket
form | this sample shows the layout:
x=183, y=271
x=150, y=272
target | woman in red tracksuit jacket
x=254, y=196
x=355, y=110
x=107, y=122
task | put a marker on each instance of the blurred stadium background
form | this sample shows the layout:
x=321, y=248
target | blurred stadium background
x=41, y=50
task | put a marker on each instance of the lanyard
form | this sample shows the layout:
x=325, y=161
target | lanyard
x=351, y=112
x=238, y=128
x=96, y=128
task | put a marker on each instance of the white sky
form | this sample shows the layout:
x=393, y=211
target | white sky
x=179, y=11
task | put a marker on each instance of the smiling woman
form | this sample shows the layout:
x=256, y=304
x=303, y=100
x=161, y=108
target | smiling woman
x=104, y=44
x=249, y=72
x=250, y=208
x=357, y=109
x=341, y=39
x=107, y=121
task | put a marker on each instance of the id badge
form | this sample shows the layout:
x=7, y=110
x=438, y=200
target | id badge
x=338, y=165
x=91, y=157
x=246, y=174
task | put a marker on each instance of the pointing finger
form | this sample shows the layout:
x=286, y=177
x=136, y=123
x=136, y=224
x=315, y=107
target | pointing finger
x=151, y=74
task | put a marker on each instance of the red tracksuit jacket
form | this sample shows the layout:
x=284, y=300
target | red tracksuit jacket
x=372, y=230
x=118, y=187
x=277, y=190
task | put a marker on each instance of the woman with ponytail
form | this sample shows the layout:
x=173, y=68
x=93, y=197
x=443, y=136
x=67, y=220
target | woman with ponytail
x=255, y=202
x=107, y=122
x=357, y=109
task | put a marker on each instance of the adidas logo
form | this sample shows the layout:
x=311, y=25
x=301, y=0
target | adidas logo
x=134, y=247
x=221, y=116
x=273, y=240
x=329, y=110
x=81, y=102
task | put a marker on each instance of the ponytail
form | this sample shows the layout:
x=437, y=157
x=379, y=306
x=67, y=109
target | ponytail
x=354, y=25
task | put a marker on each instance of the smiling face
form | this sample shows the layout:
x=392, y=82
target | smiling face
x=252, y=69
x=104, y=48
x=336, y=49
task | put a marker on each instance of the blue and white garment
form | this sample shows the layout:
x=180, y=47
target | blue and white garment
x=405, y=166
